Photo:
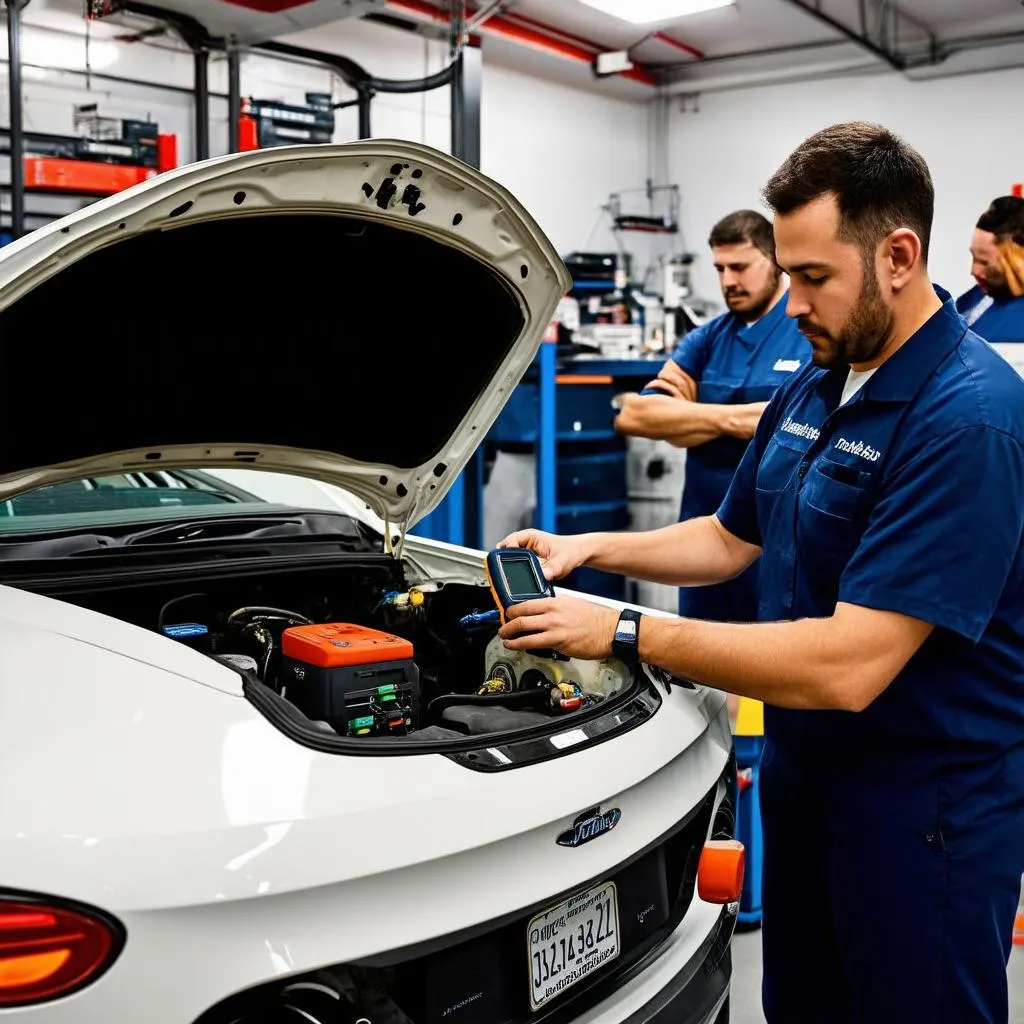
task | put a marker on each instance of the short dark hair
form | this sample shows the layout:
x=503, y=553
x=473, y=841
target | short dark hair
x=744, y=226
x=880, y=183
x=1004, y=218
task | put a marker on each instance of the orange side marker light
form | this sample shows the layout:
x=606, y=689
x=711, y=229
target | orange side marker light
x=720, y=872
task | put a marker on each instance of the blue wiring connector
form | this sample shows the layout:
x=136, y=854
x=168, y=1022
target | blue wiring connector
x=480, y=620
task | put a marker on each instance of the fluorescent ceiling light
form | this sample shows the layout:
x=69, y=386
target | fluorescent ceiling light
x=644, y=12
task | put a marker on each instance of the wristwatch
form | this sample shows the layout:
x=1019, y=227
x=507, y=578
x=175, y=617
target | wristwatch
x=626, y=642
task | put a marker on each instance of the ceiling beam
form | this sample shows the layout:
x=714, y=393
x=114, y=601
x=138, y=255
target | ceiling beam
x=881, y=46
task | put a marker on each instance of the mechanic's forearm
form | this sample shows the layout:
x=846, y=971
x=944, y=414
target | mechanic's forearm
x=692, y=439
x=661, y=417
x=806, y=664
x=741, y=420
x=696, y=552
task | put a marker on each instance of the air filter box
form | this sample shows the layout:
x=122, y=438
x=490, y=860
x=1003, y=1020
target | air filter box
x=361, y=681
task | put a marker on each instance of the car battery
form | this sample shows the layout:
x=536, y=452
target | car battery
x=361, y=681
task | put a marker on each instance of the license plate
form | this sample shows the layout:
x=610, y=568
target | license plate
x=569, y=942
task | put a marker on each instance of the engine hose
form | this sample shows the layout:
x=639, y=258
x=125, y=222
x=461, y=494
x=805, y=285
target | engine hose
x=536, y=695
x=267, y=612
x=173, y=601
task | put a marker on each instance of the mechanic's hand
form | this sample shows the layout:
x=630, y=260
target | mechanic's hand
x=673, y=379
x=558, y=555
x=666, y=387
x=569, y=625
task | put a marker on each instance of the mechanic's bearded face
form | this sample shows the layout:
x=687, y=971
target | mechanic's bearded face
x=749, y=279
x=985, y=265
x=834, y=292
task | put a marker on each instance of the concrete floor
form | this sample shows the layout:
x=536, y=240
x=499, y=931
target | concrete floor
x=746, y=981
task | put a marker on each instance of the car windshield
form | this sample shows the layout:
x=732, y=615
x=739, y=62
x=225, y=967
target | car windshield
x=119, y=503
x=120, y=497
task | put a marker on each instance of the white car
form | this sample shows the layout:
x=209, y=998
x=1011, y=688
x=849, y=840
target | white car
x=263, y=758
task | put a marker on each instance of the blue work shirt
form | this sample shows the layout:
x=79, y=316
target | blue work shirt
x=908, y=498
x=1003, y=320
x=733, y=363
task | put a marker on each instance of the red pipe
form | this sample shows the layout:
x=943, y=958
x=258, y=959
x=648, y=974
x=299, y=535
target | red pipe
x=507, y=29
x=680, y=45
x=544, y=27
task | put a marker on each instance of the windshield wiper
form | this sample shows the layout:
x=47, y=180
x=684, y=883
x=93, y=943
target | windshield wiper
x=286, y=528
x=261, y=527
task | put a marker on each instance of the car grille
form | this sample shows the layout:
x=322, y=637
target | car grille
x=482, y=976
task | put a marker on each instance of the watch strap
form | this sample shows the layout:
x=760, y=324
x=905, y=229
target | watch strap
x=626, y=641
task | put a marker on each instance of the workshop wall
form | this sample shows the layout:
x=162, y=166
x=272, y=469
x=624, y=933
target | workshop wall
x=965, y=127
x=556, y=158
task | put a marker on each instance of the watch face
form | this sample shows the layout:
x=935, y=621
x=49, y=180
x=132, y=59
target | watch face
x=626, y=630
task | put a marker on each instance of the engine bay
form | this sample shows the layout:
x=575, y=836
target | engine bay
x=362, y=652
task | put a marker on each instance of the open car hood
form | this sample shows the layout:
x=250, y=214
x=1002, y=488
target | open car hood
x=354, y=313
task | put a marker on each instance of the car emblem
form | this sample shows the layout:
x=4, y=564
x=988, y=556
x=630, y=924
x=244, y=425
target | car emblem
x=589, y=825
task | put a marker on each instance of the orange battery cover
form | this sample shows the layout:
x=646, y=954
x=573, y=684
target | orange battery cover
x=337, y=644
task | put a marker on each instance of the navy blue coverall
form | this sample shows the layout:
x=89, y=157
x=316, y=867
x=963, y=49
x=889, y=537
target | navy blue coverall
x=894, y=837
x=733, y=363
x=1000, y=320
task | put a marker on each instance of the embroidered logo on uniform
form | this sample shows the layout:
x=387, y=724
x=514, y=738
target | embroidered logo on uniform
x=786, y=365
x=865, y=451
x=790, y=426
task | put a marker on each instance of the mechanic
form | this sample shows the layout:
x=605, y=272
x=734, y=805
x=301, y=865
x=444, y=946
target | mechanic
x=884, y=493
x=710, y=394
x=994, y=307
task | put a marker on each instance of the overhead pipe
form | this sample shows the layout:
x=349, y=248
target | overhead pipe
x=356, y=77
x=679, y=45
x=552, y=30
x=778, y=76
x=894, y=60
x=505, y=28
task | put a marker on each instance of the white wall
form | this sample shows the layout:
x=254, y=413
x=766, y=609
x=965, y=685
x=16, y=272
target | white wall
x=562, y=152
x=724, y=154
x=563, y=158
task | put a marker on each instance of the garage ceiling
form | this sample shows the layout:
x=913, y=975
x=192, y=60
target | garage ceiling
x=772, y=37
x=748, y=43
x=751, y=24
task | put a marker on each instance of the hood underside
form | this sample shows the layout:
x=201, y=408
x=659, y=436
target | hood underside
x=355, y=313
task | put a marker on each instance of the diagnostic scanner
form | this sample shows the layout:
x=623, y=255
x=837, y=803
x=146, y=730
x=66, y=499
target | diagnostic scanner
x=515, y=575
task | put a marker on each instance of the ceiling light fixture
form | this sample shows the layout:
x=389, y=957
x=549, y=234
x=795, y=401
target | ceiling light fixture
x=646, y=12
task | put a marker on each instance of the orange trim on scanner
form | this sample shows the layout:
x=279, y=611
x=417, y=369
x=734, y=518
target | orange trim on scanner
x=1018, y=930
x=720, y=871
x=582, y=378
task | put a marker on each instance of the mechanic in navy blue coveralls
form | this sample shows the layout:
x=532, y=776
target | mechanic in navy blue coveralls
x=884, y=493
x=994, y=307
x=710, y=394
